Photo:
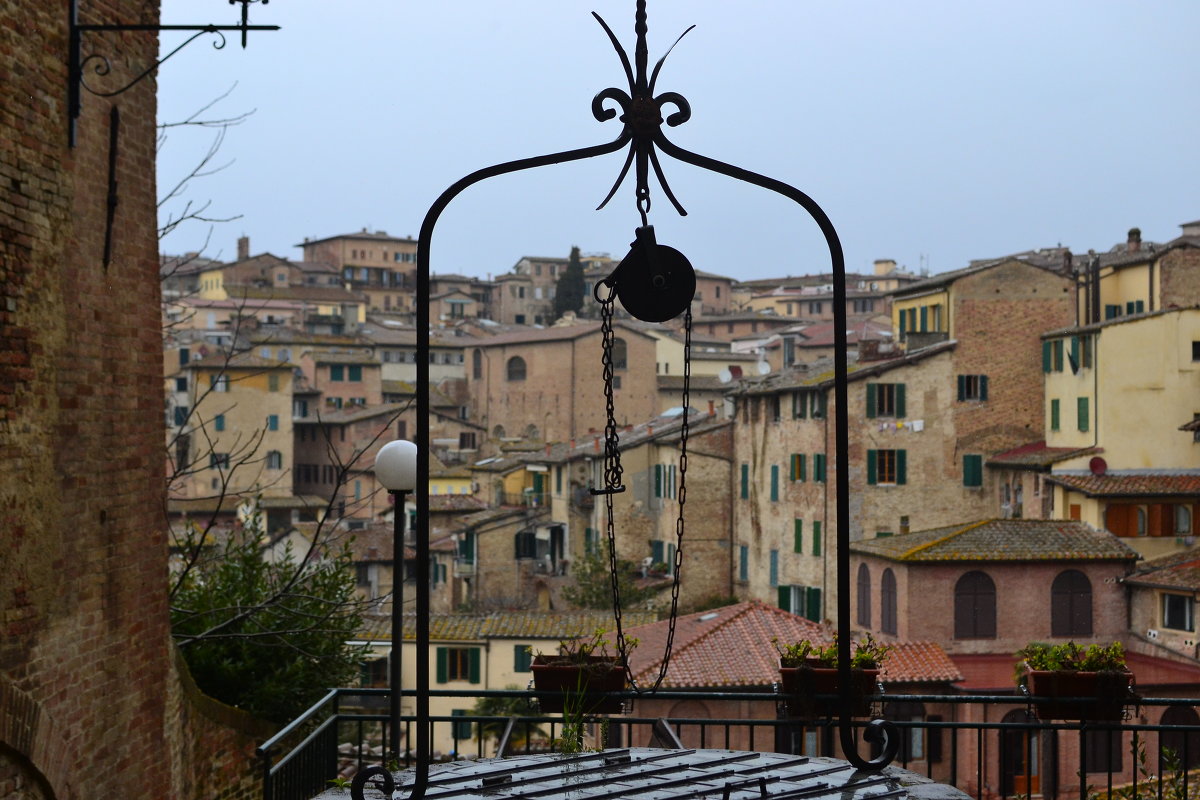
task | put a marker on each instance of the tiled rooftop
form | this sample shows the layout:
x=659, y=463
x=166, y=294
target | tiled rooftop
x=1131, y=485
x=504, y=625
x=1037, y=454
x=1179, y=571
x=1001, y=540
x=731, y=646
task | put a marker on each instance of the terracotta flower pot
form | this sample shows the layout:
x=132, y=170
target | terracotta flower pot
x=1073, y=695
x=800, y=684
x=587, y=681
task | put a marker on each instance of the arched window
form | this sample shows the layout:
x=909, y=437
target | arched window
x=887, y=602
x=975, y=607
x=498, y=432
x=913, y=740
x=1184, y=744
x=477, y=363
x=516, y=369
x=1071, y=604
x=1183, y=520
x=620, y=354
x=864, y=596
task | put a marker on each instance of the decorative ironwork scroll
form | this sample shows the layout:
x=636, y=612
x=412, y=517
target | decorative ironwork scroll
x=99, y=65
x=642, y=132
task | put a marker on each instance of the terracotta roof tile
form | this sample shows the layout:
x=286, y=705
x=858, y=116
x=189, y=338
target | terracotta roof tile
x=1001, y=540
x=1179, y=570
x=1131, y=485
x=1037, y=454
x=503, y=625
x=731, y=646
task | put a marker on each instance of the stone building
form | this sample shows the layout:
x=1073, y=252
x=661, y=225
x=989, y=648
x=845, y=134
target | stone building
x=89, y=680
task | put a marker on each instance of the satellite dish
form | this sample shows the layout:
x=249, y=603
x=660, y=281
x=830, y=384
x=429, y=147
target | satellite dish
x=763, y=367
x=724, y=376
x=1098, y=466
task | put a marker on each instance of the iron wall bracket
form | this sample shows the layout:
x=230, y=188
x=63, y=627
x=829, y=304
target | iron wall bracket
x=77, y=64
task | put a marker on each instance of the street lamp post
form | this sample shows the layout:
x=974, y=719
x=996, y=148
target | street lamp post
x=396, y=470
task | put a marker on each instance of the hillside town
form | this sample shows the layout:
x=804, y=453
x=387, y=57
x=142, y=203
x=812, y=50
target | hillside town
x=1022, y=451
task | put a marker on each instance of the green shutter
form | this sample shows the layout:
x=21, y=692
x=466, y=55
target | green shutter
x=962, y=388
x=774, y=483
x=900, y=406
x=1054, y=415
x=442, y=669
x=785, y=598
x=983, y=387
x=658, y=480
x=656, y=552
x=1058, y=355
x=803, y=459
x=522, y=658
x=1082, y=404
x=924, y=318
x=792, y=467
x=797, y=536
x=901, y=467
x=473, y=664
x=871, y=401
x=745, y=481
x=1112, y=312
x=1075, y=351
x=871, y=456
x=812, y=603
x=973, y=470
x=1045, y=356
x=816, y=537
x=819, y=467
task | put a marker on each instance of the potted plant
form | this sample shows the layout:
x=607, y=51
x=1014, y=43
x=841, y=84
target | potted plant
x=808, y=670
x=580, y=675
x=1072, y=682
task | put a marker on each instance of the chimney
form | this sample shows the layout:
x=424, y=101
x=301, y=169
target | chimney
x=712, y=409
x=547, y=448
x=1134, y=242
x=243, y=248
x=596, y=444
x=884, y=266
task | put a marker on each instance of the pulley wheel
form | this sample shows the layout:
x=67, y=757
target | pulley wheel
x=656, y=283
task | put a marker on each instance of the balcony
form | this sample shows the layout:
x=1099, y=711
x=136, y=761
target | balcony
x=986, y=746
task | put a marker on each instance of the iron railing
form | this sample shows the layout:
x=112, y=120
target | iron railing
x=990, y=746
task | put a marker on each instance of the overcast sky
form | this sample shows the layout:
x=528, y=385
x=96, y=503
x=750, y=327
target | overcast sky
x=931, y=133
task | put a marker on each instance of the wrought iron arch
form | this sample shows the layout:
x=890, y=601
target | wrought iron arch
x=641, y=131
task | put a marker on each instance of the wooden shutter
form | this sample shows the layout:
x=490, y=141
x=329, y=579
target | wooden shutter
x=785, y=598
x=745, y=481
x=983, y=387
x=798, y=536
x=901, y=409
x=901, y=467
x=872, y=391
x=962, y=388
x=1045, y=356
x=658, y=479
x=1082, y=413
x=816, y=538
x=473, y=670
x=871, y=467
x=812, y=603
x=442, y=670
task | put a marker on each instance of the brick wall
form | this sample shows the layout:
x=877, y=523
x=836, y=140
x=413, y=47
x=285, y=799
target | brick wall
x=1180, y=279
x=86, y=674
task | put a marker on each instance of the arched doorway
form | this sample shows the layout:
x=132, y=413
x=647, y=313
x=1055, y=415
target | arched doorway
x=1020, y=756
x=1184, y=745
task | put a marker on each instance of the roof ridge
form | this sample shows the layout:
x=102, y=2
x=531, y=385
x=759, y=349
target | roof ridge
x=941, y=540
x=745, y=607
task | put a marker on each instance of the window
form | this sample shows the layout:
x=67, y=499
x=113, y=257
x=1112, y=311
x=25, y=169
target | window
x=798, y=466
x=1183, y=520
x=1081, y=414
x=745, y=493
x=743, y=563
x=337, y=372
x=181, y=384
x=272, y=422
x=218, y=460
x=819, y=467
x=972, y=387
x=185, y=355
x=1057, y=348
x=799, y=405
x=515, y=370
x=1195, y=351
x=1182, y=742
x=774, y=483
x=797, y=536
x=814, y=307
x=620, y=354
x=1055, y=414
x=219, y=423
x=522, y=658
x=275, y=461
x=774, y=575
x=458, y=664
x=1178, y=612
x=887, y=602
x=816, y=538
x=354, y=373
x=818, y=405
x=477, y=364
x=1071, y=604
x=466, y=440
x=975, y=607
x=802, y=600
x=972, y=471
x=887, y=467
x=863, y=596
x=219, y=383
x=1135, y=307
x=775, y=408
x=913, y=739
x=181, y=415
x=885, y=400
